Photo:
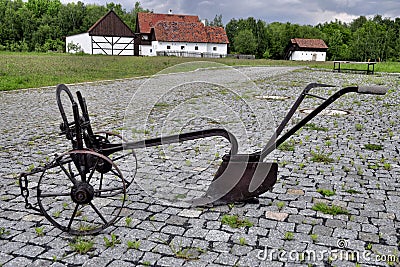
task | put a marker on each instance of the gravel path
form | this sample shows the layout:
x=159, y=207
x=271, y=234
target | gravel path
x=284, y=229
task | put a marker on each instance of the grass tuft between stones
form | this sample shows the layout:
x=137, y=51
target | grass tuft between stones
x=332, y=210
x=235, y=222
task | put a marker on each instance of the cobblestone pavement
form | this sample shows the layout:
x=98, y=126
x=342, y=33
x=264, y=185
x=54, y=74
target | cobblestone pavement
x=339, y=162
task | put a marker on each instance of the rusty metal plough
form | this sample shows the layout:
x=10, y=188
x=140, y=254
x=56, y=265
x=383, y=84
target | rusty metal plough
x=83, y=191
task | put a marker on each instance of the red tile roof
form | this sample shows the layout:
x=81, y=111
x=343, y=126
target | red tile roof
x=180, y=28
x=146, y=21
x=216, y=35
x=309, y=43
x=191, y=32
x=180, y=32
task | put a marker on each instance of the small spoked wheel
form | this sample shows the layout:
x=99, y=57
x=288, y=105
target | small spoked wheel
x=83, y=193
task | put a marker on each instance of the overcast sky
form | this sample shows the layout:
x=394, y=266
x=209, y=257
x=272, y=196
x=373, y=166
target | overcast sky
x=293, y=11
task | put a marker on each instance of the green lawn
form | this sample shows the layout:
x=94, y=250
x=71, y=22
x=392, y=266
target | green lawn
x=31, y=70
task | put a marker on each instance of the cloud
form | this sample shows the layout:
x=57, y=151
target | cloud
x=293, y=11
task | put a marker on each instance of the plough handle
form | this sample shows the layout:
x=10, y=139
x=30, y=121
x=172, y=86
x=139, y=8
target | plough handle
x=274, y=143
x=289, y=115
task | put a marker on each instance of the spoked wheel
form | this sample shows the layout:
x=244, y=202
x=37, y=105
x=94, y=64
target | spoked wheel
x=83, y=193
x=127, y=158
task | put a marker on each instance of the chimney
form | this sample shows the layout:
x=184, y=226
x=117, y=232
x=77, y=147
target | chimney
x=170, y=12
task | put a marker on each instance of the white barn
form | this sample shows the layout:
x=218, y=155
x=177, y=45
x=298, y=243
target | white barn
x=108, y=36
x=306, y=50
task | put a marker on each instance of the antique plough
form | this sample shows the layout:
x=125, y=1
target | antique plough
x=92, y=189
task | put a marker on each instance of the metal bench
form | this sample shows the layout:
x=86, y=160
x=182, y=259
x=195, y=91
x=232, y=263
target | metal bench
x=337, y=66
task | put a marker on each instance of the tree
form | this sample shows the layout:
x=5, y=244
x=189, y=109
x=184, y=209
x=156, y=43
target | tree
x=216, y=22
x=278, y=39
x=71, y=18
x=358, y=23
x=231, y=30
x=41, y=7
x=245, y=42
x=262, y=39
x=92, y=14
x=336, y=36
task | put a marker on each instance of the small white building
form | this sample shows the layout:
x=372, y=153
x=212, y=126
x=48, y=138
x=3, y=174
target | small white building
x=306, y=50
x=108, y=36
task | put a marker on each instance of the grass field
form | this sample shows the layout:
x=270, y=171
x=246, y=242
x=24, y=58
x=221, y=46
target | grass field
x=31, y=70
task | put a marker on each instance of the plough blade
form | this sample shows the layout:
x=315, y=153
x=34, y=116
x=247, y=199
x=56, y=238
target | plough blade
x=240, y=177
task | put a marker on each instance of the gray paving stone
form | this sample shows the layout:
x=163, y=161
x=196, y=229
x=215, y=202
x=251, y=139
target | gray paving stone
x=369, y=237
x=41, y=263
x=322, y=230
x=190, y=213
x=195, y=263
x=4, y=258
x=170, y=261
x=209, y=256
x=344, y=233
x=369, y=228
x=334, y=223
x=30, y=251
x=226, y=259
x=150, y=257
x=196, y=233
x=213, y=225
x=18, y=261
x=177, y=220
x=171, y=229
x=222, y=247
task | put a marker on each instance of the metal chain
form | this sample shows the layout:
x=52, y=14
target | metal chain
x=23, y=185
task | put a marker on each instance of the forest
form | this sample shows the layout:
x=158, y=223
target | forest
x=42, y=25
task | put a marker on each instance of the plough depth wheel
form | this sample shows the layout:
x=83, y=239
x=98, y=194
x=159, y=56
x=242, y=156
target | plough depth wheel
x=83, y=194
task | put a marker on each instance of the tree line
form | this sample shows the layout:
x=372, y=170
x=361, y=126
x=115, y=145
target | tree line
x=361, y=40
x=42, y=25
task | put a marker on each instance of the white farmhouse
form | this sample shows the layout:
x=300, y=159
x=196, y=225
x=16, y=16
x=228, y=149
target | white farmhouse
x=306, y=50
x=181, y=35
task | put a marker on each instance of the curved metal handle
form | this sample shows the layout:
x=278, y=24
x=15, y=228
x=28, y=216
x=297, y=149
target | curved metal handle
x=373, y=90
x=65, y=126
x=60, y=88
x=178, y=138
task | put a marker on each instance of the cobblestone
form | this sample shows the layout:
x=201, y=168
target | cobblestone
x=168, y=229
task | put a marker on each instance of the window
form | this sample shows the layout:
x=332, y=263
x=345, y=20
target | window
x=151, y=50
x=182, y=47
x=196, y=48
x=214, y=48
x=145, y=37
x=168, y=47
